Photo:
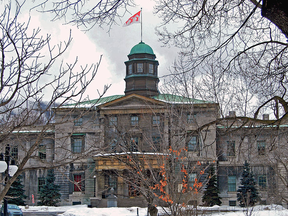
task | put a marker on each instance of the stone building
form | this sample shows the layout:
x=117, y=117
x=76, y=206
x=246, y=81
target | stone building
x=92, y=143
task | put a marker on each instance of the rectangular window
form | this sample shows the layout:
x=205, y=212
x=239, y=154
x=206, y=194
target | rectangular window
x=42, y=151
x=230, y=148
x=139, y=67
x=77, y=183
x=134, y=188
x=192, y=144
x=41, y=183
x=14, y=153
x=231, y=183
x=156, y=120
x=77, y=143
x=130, y=69
x=191, y=118
x=262, y=181
x=78, y=121
x=261, y=145
x=151, y=68
x=113, y=145
x=191, y=180
x=134, y=144
x=263, y=202
x=156, y=143
x=113, y=121
x=232, y=202
x=111, y=182
x=96, y=122
x=134, y=120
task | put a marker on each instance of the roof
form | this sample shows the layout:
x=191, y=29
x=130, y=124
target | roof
x=141, y=48
x=166, y=98
x=176, y=99
x=93, y=103
x=129, y=153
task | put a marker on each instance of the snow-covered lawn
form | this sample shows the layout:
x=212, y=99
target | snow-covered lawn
x=83, y=210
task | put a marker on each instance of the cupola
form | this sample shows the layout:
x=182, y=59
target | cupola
x=142, y=71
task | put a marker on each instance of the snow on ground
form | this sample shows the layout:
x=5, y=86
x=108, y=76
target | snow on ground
x=83, y=210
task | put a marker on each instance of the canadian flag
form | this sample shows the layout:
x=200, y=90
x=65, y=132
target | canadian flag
x=133, y=19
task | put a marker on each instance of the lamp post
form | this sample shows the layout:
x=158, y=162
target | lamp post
x=9, y=170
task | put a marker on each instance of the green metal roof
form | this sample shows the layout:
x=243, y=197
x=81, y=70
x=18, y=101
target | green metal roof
x=167, y=98
x=141, y=48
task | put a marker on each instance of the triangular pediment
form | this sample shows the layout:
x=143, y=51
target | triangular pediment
x=133, y=101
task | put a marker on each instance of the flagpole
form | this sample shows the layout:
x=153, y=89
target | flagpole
x=141, y=24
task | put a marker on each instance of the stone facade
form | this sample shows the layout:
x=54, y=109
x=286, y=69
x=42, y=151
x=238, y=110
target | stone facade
x=91, y=144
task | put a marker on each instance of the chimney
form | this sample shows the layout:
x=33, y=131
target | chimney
x=232, y=114
x=265, y=116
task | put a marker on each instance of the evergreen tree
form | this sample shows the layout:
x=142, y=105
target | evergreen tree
x=15, y=193
x=211, y=194
x=49, y=194
x=247, y=193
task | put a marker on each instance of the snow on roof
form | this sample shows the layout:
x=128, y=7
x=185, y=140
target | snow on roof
x=167, y=98
x=93, y=103
x=34, y=131
x=176, y=99
x=252, y=126
x=125, y=153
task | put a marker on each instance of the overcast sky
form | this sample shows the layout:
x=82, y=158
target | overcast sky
x=114, y=47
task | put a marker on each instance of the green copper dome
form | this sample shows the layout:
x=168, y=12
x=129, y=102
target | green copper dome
x=141, y=48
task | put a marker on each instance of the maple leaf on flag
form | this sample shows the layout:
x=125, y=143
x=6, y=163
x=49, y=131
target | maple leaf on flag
x=133, y=19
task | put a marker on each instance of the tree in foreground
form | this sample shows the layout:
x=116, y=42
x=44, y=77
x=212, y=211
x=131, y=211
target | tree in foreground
x=16, y=192
x=33, y=75
x=247, y=194
x=49, y=194
x=211, y=194
x=208, y=31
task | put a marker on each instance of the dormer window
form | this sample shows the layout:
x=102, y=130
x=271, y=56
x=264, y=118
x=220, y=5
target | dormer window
x=151, y=68
x=139, y=67
x=130, y=69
